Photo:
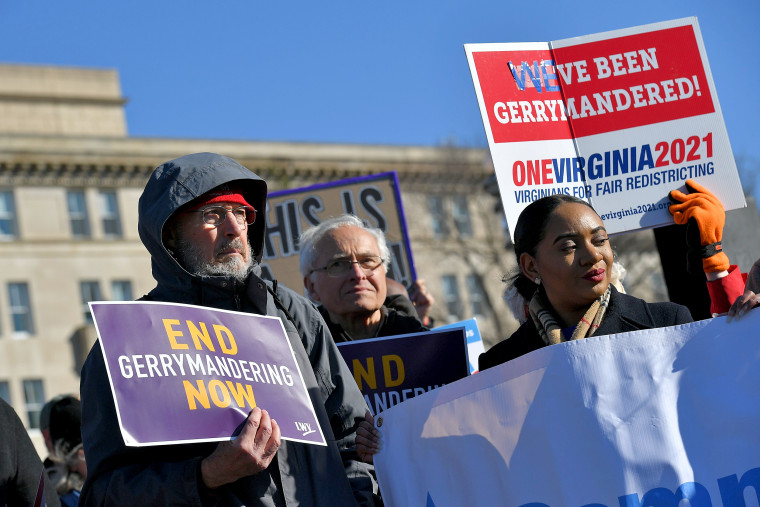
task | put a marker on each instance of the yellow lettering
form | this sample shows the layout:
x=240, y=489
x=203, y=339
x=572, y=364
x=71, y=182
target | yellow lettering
x=173, y=334
x=194, y=394
x=232, y=349
x=389, y=382
x=200, y=334
x=242, y=393
x=368, y=374
x=219, y=393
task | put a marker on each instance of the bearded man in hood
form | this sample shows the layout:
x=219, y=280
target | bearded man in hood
x=199, y=219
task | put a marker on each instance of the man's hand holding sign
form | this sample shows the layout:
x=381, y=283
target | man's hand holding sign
x=250, y=453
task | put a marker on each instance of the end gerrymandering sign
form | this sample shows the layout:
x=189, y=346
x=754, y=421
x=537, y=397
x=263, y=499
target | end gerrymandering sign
x=183, y=373
x=618, y=119
x=392, y=369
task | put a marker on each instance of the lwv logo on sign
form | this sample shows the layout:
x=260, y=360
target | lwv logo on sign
x=304, y=428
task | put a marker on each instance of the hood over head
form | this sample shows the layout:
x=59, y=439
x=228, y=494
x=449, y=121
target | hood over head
x=175, y=184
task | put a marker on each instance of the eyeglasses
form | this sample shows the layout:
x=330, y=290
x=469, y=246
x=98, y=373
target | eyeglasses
x=339, y=267
x=215, y=215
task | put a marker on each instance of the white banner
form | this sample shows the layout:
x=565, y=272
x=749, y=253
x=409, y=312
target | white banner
x=630, y=420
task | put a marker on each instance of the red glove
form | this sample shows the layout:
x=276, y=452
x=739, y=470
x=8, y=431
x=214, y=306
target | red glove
x=707, y=212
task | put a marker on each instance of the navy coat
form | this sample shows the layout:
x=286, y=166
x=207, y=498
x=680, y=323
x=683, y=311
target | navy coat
x=624, y=313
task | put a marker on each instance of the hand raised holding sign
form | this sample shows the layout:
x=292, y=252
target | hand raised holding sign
x=705, y=210
x=369, y=440
x=250, y=453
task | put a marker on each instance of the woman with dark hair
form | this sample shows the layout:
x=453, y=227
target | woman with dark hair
x=565, y=262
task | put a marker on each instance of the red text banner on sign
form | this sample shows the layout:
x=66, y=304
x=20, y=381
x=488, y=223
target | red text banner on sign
x=596, y=87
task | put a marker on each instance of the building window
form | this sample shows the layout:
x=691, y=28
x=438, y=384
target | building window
x=7, y=216
x=121, y=290
x=20, y=309
x=34, y=398
x=477, y=293
x=80, y=222
x=461, y=215
x=90, y=292
x=5, y=392
x=109, y=211
x=451, y=298
x=438, y=214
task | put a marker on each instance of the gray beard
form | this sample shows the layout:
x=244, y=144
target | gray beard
x=192, y=259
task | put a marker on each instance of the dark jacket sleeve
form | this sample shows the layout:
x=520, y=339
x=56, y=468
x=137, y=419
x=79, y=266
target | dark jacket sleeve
x=522, y=341
x=121, y=475
x=346, y=408
x=20, y=466
x=402, y=304
x=628, y=313
x=397, y=323
x=683, y=315
x=344, y=403
x=753, y=278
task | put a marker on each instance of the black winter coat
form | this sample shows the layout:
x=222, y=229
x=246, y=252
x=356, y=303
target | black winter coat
x=624, y=313
x=393, y=323
x=20, y=465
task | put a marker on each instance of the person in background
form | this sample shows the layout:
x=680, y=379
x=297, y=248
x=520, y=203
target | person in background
x=56, y=471
x=45, y=419
x=66, y=438
x=23, y=480
x=198, y=218
x=564, y=254
x=344, y=265
x=731, y=291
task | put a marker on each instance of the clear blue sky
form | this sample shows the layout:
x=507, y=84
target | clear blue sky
x=391, y=72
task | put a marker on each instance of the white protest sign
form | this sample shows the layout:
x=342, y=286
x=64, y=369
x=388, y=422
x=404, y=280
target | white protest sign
x=646, y=418
x=618, y=119
x=375, y=198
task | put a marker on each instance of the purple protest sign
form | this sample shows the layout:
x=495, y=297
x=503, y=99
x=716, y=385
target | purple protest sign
x=392, y=369
x=183, y=373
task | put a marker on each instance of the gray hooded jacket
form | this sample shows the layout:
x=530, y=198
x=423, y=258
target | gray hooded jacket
x=301, y=474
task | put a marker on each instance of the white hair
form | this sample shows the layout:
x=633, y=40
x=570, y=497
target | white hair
x=310, y=238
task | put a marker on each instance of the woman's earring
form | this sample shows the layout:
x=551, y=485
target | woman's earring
x=538, y=280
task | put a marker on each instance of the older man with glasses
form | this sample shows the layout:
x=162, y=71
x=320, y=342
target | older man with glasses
x=198, y=219
x=344, y=264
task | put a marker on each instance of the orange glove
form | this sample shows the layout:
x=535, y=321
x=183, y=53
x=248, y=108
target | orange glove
x=708, y=213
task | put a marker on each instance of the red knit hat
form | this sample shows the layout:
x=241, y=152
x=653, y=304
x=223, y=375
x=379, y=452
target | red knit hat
x=223, y=193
